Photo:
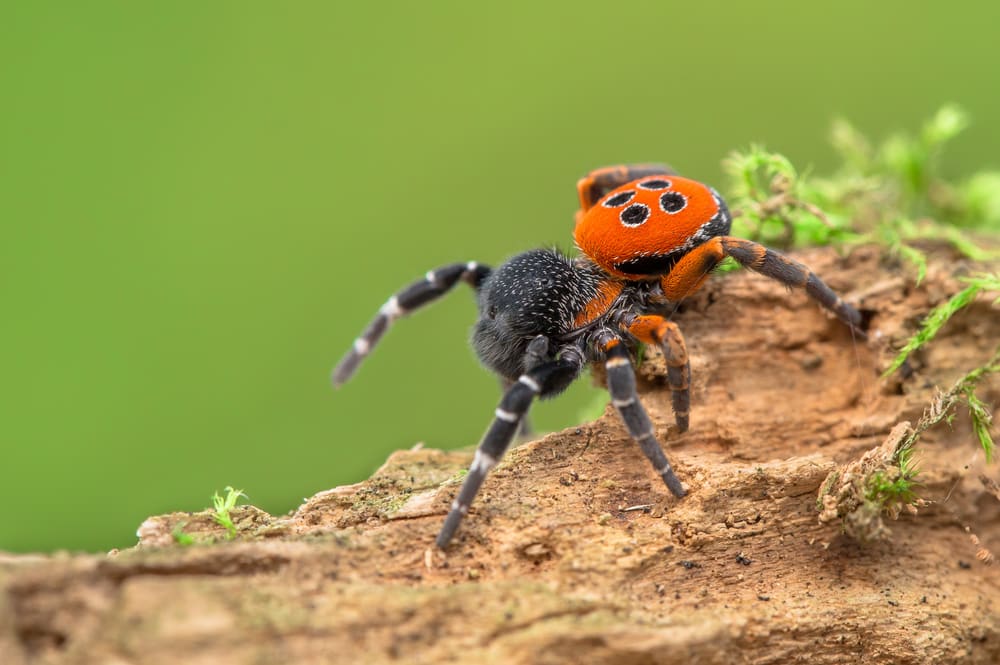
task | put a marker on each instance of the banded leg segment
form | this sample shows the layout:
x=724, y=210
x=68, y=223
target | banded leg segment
x=792, y=273
x=513, y=407
x=692, y=270
x=536, y=354
x=657, y=330
x=434, y=284
x=621, y=385
x=599, y=182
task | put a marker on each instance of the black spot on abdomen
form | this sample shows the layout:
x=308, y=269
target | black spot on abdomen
x=635, y=214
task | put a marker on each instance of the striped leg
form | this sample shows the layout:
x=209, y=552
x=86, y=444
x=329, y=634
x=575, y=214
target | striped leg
x=692, y=270
x=524, y=430
x=541, y=380
x=621, y=385
x=665, y=334
x=777, y=266
x=435, y=284
x=536, y=354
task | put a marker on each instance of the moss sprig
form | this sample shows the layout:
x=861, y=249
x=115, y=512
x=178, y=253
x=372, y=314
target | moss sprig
x=892, y=193
x=940, y=315
x=222, y=505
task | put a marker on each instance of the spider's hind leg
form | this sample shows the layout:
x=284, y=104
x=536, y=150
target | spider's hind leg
x=434, y=284
x=546, y=378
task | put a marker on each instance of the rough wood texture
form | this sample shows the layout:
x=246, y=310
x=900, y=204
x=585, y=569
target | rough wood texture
x=575, y=552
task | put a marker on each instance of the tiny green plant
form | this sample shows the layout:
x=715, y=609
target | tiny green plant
x=884, y=480
x=982, y=418
x=894, y=488
x=181, y=538
x=222, y=505
x=942, y=408
x=940, y=315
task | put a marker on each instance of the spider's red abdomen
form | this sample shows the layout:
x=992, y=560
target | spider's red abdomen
x=641, y=229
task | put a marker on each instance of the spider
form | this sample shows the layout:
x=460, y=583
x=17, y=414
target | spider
x=648, y=238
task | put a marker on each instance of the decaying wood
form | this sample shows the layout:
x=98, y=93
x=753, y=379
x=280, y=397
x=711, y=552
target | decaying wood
x=575, y=552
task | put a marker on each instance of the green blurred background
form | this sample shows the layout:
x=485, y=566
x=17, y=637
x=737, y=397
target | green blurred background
x=202, y=204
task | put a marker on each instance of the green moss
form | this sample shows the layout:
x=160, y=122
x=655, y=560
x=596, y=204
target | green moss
x=181, y=538
x=893, y=488
x=893, y=194
x=979, y=412
x=774, y=205
x=940, y=315
x=222, y=505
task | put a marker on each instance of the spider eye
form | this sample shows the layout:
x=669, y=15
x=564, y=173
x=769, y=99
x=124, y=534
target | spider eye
x=635, y=214
x=619, y=199
x=673, y=202
x=654, y=184
x=491, y=312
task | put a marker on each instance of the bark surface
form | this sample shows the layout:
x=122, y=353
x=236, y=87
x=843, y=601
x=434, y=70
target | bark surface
x=575, y=552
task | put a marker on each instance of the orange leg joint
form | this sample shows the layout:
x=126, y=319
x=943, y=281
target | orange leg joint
x=692, y=270
x=653, y=329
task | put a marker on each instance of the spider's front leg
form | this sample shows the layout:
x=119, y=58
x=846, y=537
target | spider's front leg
x=653, y=329
x=621, y=385
x=792, y=273
x=693, y=269
x=543, y=379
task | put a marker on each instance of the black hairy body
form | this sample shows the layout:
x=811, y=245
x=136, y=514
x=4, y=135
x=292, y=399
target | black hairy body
x=539, y=292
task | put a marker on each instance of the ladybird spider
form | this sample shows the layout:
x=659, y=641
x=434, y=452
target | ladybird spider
x=648, y=239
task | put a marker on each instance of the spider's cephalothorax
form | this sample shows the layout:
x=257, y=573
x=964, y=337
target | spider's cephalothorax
x=648, y=238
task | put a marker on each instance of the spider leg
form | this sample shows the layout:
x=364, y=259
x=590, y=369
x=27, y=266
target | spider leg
x=654, y=329
x=692, y=270
x=543, y=379
x=599, y=182
x=621, y=385
x=524, y=430
x=536, y=354
x=434, y=284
